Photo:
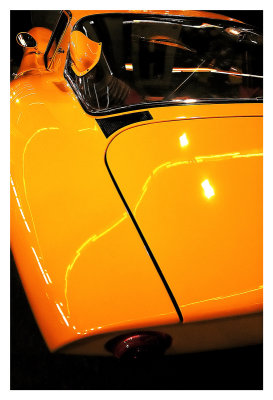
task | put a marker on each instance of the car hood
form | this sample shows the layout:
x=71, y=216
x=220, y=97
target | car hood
x=194, y=188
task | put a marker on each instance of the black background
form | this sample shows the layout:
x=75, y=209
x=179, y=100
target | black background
x=33, y=367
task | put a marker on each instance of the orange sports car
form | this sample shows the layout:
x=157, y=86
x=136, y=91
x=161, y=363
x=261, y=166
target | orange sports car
x=136, y=181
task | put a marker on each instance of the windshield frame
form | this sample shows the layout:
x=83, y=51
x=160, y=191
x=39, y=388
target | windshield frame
x=162, y=103
x=61, y=30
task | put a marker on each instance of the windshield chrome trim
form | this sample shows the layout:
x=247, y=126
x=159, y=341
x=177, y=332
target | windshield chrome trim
x=49, y=63
x=147, y=106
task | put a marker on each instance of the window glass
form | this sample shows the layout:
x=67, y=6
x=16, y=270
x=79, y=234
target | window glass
x=154, y=60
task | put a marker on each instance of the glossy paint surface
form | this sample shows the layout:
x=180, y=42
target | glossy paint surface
x=33, y=60
x=79, y=256
x=197, y=198
x=85, y=53
x=83, y=265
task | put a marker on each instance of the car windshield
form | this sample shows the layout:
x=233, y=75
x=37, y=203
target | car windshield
x=154, y=60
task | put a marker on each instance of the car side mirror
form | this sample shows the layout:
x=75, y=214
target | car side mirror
x=24, y=39
x=85, y=53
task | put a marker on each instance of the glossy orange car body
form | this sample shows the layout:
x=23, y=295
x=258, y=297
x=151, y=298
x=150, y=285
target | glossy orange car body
x=192, y=179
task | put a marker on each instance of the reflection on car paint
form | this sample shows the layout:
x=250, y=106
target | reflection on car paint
x=44, y=272
x=260, y=288
x=24, y=180
x=93, y=238
x=183, y=140
x=19, y=205
x=208, y=189
x=77, y=284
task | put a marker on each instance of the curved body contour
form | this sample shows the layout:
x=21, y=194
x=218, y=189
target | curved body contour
x=158, y=223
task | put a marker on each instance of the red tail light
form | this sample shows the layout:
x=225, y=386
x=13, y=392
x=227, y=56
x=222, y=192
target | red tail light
x=139, y=345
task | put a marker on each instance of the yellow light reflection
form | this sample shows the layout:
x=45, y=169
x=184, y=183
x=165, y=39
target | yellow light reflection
x=84, y=129
x=223, y=297
x=31, y=104
x=40, y=266
x=129, y=67
x=178, y=69
x=143, y=192
x=208, y=189
x=24, y=182
x=93, y=238
x=248, y=155
x=183, y=140
x=217, y=156
x=19, y=205
x=160, y=166
x=62, y=314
